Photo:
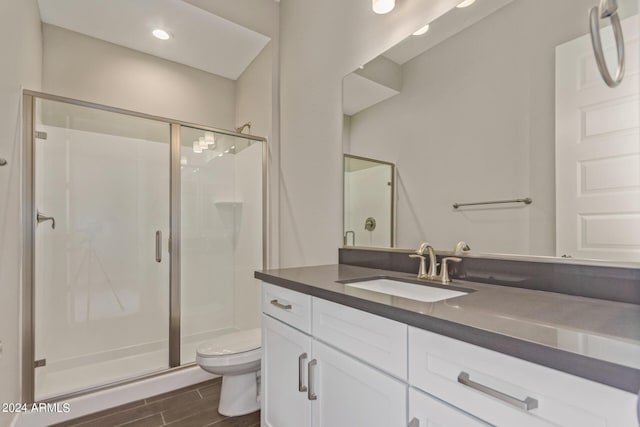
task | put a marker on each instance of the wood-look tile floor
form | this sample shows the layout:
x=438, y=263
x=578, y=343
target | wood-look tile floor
x=194, y=406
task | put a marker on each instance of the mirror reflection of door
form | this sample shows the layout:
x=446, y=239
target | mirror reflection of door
x=368, y=202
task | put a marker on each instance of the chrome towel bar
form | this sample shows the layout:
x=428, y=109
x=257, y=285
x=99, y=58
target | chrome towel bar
x=526, y=201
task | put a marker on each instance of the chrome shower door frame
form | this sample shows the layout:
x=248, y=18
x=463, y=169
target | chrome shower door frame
x=28, y=217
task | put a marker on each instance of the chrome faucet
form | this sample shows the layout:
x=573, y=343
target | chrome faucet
x=432, y=273
x=423, y=274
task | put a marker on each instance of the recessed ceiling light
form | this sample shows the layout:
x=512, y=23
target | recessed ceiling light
x=161, y=34
x=465, y=3
x=422, y=30
x=383, y=6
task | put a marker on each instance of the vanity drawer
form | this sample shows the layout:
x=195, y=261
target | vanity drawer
x=488, y=384
x=426, y=411
x=373, y=339
x=286, y=305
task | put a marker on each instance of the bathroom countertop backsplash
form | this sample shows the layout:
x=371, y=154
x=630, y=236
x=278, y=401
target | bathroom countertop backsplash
x=592, y=338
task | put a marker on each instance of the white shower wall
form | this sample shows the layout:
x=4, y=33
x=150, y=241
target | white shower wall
x=207, y=237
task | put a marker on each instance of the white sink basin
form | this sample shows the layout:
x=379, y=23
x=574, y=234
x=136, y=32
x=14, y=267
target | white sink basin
x=406, y=290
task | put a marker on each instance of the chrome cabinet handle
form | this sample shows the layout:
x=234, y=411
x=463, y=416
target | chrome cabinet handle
x=158, y=246
x=527, y=404
x=607, y=9
x=414, y=422
x=311, y=395
x=41, y=218
x=301, y=387
x=279, y=305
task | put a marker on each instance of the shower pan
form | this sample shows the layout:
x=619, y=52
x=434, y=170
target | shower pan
x=141, y=238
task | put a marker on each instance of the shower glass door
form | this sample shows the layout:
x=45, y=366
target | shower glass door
x=102, y=273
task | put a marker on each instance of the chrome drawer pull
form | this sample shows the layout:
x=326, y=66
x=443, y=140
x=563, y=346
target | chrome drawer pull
x=414, y=423
x=527, y=404
x=311, y=395
x=301, y=387
x=279, y=305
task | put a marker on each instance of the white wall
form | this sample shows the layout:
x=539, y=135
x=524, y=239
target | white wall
x=81, y=67
x=463, y=129
x=321, y=42
x=254, y=103
x=20, y=65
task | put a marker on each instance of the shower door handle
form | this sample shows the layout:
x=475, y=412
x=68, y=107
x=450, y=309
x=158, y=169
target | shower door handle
x=158, y=246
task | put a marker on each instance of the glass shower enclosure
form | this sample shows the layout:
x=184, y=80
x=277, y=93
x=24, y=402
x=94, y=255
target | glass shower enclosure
x=142, y=235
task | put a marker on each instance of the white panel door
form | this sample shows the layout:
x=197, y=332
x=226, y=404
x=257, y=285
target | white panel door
x=283, y=372
x=350, y=393
x=598, y=152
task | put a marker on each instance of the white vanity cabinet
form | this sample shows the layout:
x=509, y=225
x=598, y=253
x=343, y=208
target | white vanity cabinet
x=329, y=365
x=307, y=382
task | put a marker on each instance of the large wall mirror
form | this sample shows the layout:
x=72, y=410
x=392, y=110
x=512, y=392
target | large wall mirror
x=501, y=101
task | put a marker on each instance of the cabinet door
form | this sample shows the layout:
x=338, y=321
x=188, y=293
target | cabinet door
x=350, y=393
x=284, y=374
x=427, y=411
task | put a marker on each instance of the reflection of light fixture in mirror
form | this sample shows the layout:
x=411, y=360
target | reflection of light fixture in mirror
x=183, y=160
x=465, y=3
x=161, y=34
x=203, y=143
x=210, y=138
x=196, y=147
x=383, y=6
x=421, y=31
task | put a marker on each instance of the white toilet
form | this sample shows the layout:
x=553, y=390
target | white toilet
x=235, y=356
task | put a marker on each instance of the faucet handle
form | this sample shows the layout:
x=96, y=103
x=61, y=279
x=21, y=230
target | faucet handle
x=445, y=268
x=422, y=273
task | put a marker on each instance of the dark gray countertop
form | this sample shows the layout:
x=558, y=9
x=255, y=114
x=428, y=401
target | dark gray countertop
x=595, y=339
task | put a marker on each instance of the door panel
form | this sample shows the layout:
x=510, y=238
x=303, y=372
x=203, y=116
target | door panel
x=350, y=393
x=283, y=404
x=598, y=152
x=101, y=287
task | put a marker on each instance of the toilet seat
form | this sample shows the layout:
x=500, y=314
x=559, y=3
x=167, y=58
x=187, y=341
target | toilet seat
x=236, y=348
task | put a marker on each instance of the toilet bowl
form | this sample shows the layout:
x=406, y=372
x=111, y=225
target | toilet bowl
x=235, y=356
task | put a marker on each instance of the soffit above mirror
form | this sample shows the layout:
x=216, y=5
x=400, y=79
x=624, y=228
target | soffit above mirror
x=199, y=39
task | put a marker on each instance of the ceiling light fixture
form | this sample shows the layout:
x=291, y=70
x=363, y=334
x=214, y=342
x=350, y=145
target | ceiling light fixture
x=161, y=34
x=383, y=6
x=422, y=30
x=465, y=3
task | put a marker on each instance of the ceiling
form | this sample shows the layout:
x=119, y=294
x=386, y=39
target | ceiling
x=199, y=39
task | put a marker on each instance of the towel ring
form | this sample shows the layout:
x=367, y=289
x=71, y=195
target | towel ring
x=607, y=9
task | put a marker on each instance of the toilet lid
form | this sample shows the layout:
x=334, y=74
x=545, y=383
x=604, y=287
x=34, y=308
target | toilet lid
x=235, y=342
